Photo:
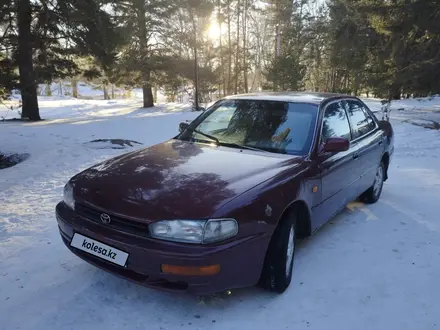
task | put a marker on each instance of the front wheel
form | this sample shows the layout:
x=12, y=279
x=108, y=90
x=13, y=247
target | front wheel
x=372, y=195
x=278, y=264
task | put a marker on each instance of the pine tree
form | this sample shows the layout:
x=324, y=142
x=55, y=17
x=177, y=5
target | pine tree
x=49, y=36
x=143, y=29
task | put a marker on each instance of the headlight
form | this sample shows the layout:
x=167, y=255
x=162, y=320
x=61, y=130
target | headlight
x=219, y=230
x=194, y=231
x=68, y=196
x=187, y=231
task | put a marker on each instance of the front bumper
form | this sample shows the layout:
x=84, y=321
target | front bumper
x=240, y=261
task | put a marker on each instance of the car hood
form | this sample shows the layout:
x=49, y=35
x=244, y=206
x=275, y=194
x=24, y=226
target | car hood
x=175, y=179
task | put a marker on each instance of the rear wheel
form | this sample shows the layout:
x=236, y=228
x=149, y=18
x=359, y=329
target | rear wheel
x=278, y=264
x=372, y=195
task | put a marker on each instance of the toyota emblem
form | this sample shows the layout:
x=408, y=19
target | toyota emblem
x=105, y=218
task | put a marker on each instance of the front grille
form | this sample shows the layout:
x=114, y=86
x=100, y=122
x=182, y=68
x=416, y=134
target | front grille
x=118, y=223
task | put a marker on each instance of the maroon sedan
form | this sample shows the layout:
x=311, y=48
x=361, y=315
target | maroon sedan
x=220, y=205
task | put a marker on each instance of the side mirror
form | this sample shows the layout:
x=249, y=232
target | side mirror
x=183, y=126
x=336, y=144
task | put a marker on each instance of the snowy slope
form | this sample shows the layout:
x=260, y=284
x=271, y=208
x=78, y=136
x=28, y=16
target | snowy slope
x=372, y=267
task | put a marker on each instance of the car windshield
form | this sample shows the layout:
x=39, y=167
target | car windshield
x=274, y=126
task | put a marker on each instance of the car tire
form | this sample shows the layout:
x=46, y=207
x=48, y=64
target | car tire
x=278, y=264
x=373, y=193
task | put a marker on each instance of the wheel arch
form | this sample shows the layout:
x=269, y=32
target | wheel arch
x=386, y=161
x=303, y=224
x=303, y=229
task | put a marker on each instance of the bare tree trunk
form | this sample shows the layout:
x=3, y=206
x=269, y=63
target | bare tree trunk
x=222, y=62
x=345, y=81
x=229, y=47
x=237, y=54
x=332, y=80
x=113, y=91
x=105, y=89
x=245, y=82
x=357, y=83
x=48, y=89
x=28, y=87
x=74, y=83
x=147, y=94
x=145, y=70
x=299, y=28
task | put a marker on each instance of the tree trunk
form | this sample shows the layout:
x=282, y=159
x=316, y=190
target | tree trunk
x=394, y=93
x=229, y=47
x=155, y=94
x=113, y=91
x=147, y=90
x=28, y=87
x=237, y=54
x=105, y=89
x=196, y=79
x=148, y=96
x=143, y=45
x=48, y=90
x=333, y=80
x=222, y=62
x=74, y=84
x=245, y=82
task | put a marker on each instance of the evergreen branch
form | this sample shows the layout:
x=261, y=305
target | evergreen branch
x=6, y=31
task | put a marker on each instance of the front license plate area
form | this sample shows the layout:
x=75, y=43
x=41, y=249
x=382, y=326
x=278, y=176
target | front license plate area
x=99, y=249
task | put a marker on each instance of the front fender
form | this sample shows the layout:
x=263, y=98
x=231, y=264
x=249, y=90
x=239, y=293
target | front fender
x=259, y=209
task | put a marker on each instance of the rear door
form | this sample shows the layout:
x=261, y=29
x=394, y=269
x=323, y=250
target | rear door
x=369, y=137
x=338, y=170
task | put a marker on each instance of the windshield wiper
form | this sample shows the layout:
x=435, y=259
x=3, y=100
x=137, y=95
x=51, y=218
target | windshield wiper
x=226, y=144
x=240, y=146
x=205, y=134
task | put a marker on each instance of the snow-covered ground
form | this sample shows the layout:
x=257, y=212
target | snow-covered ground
x=422, y=112
x=372, y=267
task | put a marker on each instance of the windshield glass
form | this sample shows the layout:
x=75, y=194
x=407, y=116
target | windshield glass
x=274, y=126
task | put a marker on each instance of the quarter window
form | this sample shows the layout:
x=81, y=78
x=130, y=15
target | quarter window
x=361, y=121
x=335, y=122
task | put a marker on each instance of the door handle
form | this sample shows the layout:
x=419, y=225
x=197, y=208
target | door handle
x=355, y=156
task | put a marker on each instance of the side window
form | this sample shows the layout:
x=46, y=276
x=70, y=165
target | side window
x=335, y=122
x=360, y=120
x=370, y=119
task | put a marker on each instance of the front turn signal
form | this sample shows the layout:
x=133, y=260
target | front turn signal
x=190, y=271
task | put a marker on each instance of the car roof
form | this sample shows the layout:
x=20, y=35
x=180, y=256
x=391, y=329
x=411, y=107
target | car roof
x=306, y=97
